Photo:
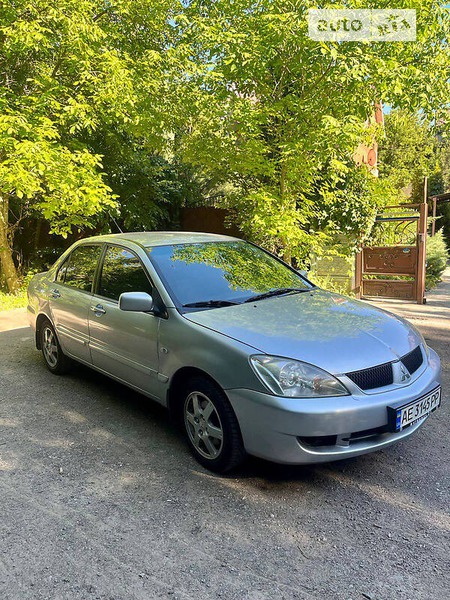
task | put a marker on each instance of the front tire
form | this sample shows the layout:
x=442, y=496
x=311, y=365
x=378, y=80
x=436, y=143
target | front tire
x=211, y=427
x=55, y=360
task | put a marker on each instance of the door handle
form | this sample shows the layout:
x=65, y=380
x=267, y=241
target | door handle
x=55, y=293
x=98, y=309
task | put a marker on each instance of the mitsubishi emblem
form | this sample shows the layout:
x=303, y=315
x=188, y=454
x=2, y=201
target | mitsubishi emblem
x=405, y=373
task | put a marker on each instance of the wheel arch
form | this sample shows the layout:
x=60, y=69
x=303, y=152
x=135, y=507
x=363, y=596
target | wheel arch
x=179, y=378
x=232, y=451
x=39, y=321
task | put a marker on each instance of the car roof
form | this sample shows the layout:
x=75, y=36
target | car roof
x=162, y=238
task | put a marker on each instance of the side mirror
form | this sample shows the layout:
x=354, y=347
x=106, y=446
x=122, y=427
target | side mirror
x=136, y=302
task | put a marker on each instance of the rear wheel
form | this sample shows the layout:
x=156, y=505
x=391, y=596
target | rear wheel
x=211, y=426
x=55, y=361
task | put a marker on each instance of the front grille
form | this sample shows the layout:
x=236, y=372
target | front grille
x=374, y=377
x=382, y=375
x=413, y=360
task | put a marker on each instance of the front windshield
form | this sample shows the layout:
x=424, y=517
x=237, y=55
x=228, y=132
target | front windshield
x=227, y=272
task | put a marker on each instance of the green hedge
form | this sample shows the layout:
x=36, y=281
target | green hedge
x=19, y=299
x=437, y=257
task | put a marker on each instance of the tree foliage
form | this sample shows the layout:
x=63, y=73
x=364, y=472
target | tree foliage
x=413, y=148
x=440, y=184
x=280, y=115
x=437, y=258
x=408, y=153
x=138, y=106
x=72, y=73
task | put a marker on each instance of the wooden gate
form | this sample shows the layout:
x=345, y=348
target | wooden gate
x=398, y=270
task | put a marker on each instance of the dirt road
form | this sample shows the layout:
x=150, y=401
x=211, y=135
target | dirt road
x=99, y=499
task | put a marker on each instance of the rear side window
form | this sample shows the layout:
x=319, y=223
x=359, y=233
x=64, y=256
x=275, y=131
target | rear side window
x=79, y=270
x=122, y=272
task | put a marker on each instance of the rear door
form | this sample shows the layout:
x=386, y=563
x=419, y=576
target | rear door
x=124, y=344
x=70, y=299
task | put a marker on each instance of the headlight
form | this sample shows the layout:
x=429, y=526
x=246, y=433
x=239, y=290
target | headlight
x=286, y=377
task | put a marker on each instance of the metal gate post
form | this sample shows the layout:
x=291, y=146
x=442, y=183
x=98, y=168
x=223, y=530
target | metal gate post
x=358, y=274
x=433, y=223
x=421, y=253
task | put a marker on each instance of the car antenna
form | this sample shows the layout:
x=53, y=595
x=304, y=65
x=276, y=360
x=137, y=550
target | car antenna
x=115, y=222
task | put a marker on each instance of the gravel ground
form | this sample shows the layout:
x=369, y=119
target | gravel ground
x=100, y=499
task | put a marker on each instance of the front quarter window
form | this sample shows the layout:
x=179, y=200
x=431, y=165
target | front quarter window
x=61, y=274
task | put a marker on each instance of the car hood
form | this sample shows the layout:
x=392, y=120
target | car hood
x=318, y=327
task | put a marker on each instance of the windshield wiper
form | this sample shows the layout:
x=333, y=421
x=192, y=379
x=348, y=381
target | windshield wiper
x=277, y=292
x=210, y=304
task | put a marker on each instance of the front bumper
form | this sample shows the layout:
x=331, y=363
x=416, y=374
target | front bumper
x=302, y=431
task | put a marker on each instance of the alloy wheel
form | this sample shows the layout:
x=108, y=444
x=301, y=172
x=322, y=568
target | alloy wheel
x=50, y=347
x=203, y=425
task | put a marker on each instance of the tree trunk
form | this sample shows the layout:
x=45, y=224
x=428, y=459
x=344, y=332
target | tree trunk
x=287, y=254
x=37, y=234
x=6, y=259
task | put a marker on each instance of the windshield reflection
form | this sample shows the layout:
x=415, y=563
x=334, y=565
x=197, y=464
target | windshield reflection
x=214, y=272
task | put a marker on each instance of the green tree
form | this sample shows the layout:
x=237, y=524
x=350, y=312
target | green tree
x=440, y=184
x=407, y=153
x=73, y=72
x=279, y=116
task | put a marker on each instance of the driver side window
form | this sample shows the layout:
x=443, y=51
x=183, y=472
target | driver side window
x=122, y=272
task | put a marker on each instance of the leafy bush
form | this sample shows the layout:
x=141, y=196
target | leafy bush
x=437, y=257
x=8, y=301
x=332, y=284
x=19, y=299
x=333, y=271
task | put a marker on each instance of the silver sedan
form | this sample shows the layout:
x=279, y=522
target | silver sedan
x=245, y=352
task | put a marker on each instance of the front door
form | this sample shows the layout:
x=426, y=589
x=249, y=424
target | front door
x=124, y=344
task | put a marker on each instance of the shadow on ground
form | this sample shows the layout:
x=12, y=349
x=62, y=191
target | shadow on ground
x=100, y=498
